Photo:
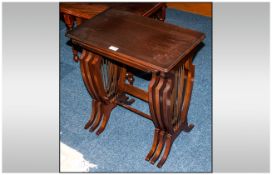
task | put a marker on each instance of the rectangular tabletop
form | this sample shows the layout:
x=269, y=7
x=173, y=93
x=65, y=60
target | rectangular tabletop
x=87, y=10
x=136, y=41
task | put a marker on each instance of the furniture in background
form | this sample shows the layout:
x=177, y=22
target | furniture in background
x=163, y=50
x=200, y=8
x=75, y=13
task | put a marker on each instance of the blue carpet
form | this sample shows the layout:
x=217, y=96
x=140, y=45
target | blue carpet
x=122, y=147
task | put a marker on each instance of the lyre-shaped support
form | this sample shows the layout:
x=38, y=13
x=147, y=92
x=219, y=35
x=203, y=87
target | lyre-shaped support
x=100, y=78
x=169, y=98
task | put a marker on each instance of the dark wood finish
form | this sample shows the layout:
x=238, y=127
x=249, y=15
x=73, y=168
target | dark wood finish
x=75, y=13
x=169, y=103
x=136, y=92
x=89, y=10
x=90, y=65
x=83, y=10
x=145, y=44
x=164, y=50
x=135, y=110
x=130, y=78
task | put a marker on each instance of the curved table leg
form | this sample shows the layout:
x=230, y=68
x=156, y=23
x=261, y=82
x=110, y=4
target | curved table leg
x=98, y=118
x=168, y=145
x=154, y=145
x=169, y=99
x=95, y=105
x=107, y=110
x=184, y=126
x=159, y=148
x=102, y=88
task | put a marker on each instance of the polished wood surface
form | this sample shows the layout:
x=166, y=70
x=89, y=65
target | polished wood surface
x=200, y=8
x=75, y=13
x=106, y=77
x=141, y=42
x=89, y=10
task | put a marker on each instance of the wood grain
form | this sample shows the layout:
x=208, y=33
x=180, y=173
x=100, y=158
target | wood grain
x=89, y=10
x=80, y=11
x=142, y=42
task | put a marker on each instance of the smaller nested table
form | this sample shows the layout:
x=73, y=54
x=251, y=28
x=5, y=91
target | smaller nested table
x=115, y=40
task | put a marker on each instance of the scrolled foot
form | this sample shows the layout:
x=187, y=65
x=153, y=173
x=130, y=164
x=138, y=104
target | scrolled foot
x=100, y=116
x=162, y=141
x=97, y=119
x=154, y=145
x=168, y=144
x=187, y=128
x=95, y=105
x=157, y=147
x=107, y=111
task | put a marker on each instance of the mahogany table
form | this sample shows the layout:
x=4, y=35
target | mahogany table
x=115, y=40
x=79, y=12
